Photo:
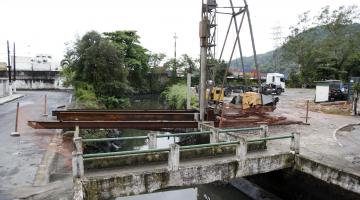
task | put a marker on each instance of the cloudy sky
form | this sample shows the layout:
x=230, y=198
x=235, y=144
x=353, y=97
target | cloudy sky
x=44, y=26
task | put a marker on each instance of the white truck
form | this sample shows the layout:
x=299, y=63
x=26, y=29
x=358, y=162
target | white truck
x=275, y=83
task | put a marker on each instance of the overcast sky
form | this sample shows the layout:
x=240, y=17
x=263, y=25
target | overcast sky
x=44, y=26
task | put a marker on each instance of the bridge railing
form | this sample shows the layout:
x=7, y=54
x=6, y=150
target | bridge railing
x=174, y=149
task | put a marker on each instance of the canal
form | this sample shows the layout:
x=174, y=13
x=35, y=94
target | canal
x=286, y=184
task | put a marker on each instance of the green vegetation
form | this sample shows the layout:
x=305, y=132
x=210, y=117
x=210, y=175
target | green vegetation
x=105, y=69
x=328, y=51
x=321, y=46
x=175, y=97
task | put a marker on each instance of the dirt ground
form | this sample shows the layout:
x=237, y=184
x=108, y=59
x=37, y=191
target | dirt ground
x=320, y=140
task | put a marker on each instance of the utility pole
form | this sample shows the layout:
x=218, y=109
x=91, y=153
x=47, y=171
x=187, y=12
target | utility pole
x=203, y=61
x=9, y=65
x=188, y=83
x=14, y=63
x=175, y=63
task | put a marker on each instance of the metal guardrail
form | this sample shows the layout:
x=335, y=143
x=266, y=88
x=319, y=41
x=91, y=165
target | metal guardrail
x=241, y=129
x=174, y=149
x=269, y=138
x=174, y=135
x=147, y=137
x=115, y=139
x=146, y=151
x=121, y=153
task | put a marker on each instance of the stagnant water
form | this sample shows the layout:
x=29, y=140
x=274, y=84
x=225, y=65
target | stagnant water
x=285, y=184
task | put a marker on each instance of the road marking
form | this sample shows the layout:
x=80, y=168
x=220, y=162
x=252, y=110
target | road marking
x=337, y=130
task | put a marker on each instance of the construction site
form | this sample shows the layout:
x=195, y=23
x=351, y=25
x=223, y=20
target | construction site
x=259, y=140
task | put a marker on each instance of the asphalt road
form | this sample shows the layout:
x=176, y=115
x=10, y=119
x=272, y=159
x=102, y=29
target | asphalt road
x=20, y=156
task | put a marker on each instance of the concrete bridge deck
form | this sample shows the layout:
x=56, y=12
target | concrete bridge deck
x=132, y=180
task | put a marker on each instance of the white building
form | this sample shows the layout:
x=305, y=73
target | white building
x=41, y=62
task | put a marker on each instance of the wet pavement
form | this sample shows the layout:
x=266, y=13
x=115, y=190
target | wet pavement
x=21, y=156
x=321, y=140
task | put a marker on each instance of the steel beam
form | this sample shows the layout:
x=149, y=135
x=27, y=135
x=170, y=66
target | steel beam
x=55, y=112
x=149, y=125
x=125, y=116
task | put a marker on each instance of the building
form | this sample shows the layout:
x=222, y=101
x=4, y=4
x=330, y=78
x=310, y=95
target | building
x=39, y=72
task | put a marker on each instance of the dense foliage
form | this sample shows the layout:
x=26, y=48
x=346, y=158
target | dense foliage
x=175, y=97
x=321, y=46
x=94, y=65
x=105, y=69
x=330, y=50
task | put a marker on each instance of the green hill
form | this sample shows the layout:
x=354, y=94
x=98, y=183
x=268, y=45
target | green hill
x=267, y=60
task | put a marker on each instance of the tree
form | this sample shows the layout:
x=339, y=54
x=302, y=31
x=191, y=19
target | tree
x=300, y=48
x=134, y=55
x=155, y=59
x=96, y=67
x=324, y=46
x=341, y=42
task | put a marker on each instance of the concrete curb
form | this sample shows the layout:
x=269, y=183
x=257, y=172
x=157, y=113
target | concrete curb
x=337, y=130
x=47, y=163
x=16, y=96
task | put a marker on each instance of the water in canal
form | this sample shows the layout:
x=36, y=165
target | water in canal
x=272, y=186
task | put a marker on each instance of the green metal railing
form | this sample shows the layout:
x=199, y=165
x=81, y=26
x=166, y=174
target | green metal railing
x=146, y=151
x=209, y=145
x=171, y=135
x=115, y=139
x=269, y=138
x=122, y=153
x=184, y=134
x=146, y=137
x=240, y=129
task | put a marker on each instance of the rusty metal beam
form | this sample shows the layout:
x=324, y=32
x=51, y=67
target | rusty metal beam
x=55, y=112
x=124, y=116
x=150, y=125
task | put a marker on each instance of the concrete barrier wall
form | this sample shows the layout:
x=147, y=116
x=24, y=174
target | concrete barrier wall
x=150, y=180
x=4, y=87
x=329, y=174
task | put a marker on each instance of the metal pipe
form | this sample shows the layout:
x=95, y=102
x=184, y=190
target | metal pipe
x=121, y=153
x=17, y=117
x=115, y=139
x=185, y=134
x=146, y=137
x=209, y=145
x=240, y=129
x=270, y=138
x=307, y=111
